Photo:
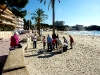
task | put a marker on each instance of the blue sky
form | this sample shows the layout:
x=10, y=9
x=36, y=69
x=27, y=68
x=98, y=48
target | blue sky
x=84, y=12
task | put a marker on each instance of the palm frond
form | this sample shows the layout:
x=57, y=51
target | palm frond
x=59, y=1
x=49, y=4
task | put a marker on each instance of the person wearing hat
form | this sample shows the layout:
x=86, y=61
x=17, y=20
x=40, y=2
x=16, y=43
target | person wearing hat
x=14, y=41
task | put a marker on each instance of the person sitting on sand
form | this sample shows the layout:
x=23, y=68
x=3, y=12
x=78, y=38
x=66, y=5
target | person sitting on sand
x=65, y=43
x=71, y=41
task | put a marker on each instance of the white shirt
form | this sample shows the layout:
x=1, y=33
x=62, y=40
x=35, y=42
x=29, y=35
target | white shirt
x=41, y=31
x=34, y=38
x=65, y=44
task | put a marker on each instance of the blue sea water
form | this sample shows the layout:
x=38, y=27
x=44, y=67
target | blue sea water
x=96, y=33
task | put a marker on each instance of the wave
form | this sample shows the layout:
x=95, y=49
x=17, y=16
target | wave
x=96, y=33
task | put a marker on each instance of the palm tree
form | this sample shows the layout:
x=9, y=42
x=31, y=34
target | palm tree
x=52, y=3
x=39, y=16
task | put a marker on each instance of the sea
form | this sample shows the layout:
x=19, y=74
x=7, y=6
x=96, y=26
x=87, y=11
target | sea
x=95, y=33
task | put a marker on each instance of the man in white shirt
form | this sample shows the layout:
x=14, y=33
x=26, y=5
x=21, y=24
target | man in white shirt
x=34, y=41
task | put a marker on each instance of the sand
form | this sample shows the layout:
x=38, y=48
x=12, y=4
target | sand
x=83, y=59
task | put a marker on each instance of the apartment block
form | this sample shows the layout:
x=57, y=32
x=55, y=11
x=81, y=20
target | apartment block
x=8, y=18
x=59, y=23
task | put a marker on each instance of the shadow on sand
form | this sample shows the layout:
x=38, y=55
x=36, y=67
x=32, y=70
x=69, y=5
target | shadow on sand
x=43, y=54
x=2, y=62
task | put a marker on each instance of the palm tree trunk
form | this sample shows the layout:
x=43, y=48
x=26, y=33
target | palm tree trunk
x=53, y=16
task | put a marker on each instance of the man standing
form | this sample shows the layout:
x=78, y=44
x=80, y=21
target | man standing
x=34, y=41
x=49, y=43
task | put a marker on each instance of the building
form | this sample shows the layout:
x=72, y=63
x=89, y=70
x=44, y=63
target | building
x=77, y=27
x=8, y=18
x=59, y=23
x=19, y=23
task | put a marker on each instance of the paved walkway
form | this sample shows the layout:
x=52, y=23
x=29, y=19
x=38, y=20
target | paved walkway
x=4, y=49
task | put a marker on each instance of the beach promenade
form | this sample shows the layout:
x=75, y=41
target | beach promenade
x=4, y=49
x=83, y=59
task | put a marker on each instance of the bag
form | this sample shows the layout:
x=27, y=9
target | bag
x=19, y=46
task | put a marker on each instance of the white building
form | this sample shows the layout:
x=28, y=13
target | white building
x=59, y=23
x=19, y=23
x=8, y=18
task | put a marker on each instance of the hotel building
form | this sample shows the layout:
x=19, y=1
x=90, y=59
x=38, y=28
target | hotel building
x=8, y=18
x=59, y=23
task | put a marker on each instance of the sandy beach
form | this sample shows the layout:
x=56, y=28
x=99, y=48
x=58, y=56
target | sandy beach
x=83, y=59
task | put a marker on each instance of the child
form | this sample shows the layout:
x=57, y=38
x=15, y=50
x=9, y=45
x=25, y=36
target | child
x=44, y=42
x=71, y=41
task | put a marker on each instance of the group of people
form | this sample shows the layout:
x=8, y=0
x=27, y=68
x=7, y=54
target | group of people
x=54, y=42
x=51, y=42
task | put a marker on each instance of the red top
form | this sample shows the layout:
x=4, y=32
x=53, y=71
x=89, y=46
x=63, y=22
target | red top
x=14, y=41
x=54, y=41
x=71, y=39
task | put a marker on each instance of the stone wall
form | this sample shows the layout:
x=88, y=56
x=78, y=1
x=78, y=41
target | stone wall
x=5, y=34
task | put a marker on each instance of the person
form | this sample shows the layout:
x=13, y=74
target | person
x=44, y=42
x=71, y=41
x=53, y=36
x=49, y=43
x=54, y=43
x=14, y=41
x=60, y=45
x=34, y=41
x=65, y=44
x=57, y=37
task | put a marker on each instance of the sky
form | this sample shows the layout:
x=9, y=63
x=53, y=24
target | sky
x=72, y=12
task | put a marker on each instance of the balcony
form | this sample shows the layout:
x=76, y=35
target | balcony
x=7, y=10
x=7, y=23
x=4, y=12
x=7, y=17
